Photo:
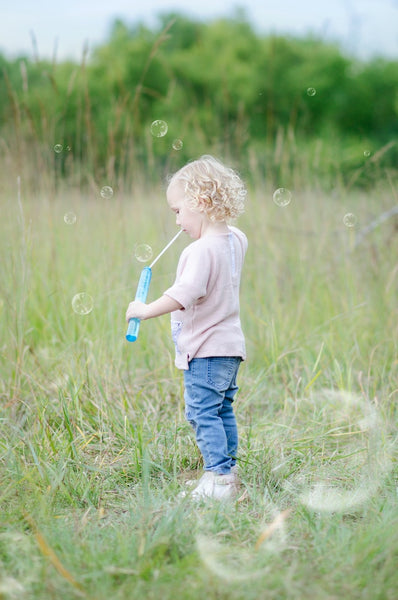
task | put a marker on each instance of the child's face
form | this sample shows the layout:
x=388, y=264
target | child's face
x=190, y=221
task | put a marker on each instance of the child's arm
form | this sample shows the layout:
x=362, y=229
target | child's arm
x=163, y=305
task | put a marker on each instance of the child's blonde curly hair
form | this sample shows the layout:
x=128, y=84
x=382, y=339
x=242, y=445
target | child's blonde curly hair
x=213, y=188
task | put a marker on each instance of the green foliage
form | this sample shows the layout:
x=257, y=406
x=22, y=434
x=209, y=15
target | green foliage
x=94, y=446
x=220, y=86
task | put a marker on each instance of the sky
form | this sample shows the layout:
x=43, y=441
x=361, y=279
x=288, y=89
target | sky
x=61, y=29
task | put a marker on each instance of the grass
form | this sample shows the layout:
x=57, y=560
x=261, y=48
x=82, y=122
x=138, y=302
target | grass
x=94, y=447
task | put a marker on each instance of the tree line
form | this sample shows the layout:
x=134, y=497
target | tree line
x=217, y=86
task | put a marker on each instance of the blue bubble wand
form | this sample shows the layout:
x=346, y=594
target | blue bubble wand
x=142, y=291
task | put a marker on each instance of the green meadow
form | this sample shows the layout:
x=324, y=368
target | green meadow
x=94, y=446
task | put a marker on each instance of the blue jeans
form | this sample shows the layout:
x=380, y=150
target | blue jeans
x=210, y=387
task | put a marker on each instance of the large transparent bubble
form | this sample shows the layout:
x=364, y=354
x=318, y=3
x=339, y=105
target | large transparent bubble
x=349, y=459
x=177, y=144
x=143, y=252
x=106, y=192
x=70, y=218
x=282, y=196
x=350, y=220
x=82, y=303
x=232, y=561
x=159, y=128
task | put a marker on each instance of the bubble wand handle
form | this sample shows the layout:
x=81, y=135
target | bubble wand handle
x=142, y=291
x=141, y=295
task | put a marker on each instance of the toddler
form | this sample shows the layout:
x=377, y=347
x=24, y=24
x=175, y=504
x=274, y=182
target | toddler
x=205, y=196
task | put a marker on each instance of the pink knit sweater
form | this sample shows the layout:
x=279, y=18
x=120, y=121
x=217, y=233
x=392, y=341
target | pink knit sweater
x=207, y=286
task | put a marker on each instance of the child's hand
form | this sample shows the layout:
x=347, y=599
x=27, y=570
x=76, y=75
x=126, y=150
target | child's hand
x=136, y=310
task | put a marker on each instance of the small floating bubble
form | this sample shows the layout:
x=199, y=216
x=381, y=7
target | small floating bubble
x=311, y=91
x=350, y=220
x=143, y=252
x=58, y=148
x=178, y=144
x=107, y=192
x=159, y=128
x=282, y=196
x=82, y=303
x=70, y=218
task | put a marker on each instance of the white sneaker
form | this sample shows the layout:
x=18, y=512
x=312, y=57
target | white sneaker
x=213, y=485
x=192, y=482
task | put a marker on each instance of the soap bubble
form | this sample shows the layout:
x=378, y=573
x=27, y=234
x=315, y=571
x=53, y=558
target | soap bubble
x=230, y=563
x=82, y=303
x=353, y=434
x=106, y=192
x=323, y=497
x=311, y=91
x=143, y=252
x=178, y=144
x=58, y=148
x=159, y=128
x=350, y=220
x=282, y=196
x=237, y=562
x=366, y=153
x=70, y=218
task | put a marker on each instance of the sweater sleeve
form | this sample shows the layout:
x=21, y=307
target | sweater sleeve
x=193, y=274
